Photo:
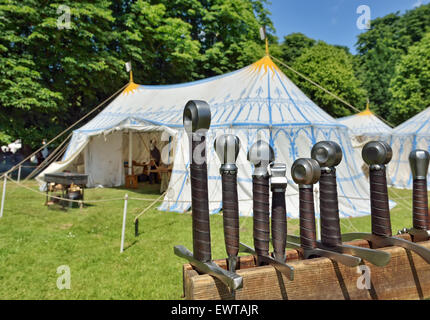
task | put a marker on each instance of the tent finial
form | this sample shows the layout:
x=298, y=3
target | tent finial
x=131, y=85
x=130, y=70
x=366, y=112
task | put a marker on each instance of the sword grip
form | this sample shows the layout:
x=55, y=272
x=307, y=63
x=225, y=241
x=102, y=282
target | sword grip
x=420, y=204
x=230, y=206
x=380, y=209
x=307, y=219
x=279, y=223
x=261, y=207
x=200, y=204
x=330, y=223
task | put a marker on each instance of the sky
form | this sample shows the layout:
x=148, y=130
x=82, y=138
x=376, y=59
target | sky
x=333, y=21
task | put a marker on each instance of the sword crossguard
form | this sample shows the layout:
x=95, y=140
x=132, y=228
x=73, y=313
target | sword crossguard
x=261, y=155
x=377, y=153
x=306, y=172
x=419, y=162
x=197, y=116
x=278, y=177
x=327, y=153
x=227, y=148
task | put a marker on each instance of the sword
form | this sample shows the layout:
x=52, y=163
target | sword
x=377, y=154
x=329, y=155
x=197, y=118
x=261, y=155
x=227, y=148
x=307, y=172
x=419, y=163
x=278, y=186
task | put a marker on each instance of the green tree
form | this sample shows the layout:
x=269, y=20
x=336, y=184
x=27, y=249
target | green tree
x=51, y=76
x=410, y=86
x=293, y=46
x=228, y=31
x=332, y=68
x=381, y=48
x=159, y=45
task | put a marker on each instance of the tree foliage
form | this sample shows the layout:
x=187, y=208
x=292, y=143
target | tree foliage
x=293, y=46
x=410, y=86
x=332, y=68
x=382, y=47
x=51, y=76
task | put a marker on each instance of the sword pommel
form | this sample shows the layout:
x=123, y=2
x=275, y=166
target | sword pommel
x=261, y=155
x=327, y=153
x=306, y=172
x=197, y=116
x=419, y=162
x=227, y=148
x=377, y=153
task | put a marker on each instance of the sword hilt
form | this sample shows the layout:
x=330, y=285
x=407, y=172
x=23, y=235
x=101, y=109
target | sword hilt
x=278, y=185
x=230, y=205
x=419, y=162
x=261, y=154
x=329, y=155
x=227, y=148
x=377, y=154
x=197, y=117
x=261, y=208
x=306, y=172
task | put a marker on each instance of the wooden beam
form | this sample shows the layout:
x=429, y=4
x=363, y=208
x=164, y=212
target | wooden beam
x=407, y=276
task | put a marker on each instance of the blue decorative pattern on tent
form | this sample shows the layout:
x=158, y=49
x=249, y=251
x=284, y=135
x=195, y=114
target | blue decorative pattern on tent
x=411, y=135
x=255, y=102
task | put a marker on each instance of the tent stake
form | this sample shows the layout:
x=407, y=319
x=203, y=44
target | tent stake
x=19, y=174
x=3, y=196
x=123, y=223
x=136, y=227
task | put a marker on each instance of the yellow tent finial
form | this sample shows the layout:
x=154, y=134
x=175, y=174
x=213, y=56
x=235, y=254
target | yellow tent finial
x=366, y=112
x=267, y=47
x=131, y=77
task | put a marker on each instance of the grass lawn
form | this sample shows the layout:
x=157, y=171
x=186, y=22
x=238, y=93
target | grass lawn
x=36, y=240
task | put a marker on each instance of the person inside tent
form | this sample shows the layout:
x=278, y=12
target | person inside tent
x=154, y=162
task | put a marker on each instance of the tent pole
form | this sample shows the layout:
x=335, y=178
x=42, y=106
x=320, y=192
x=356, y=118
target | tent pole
x=3, y=196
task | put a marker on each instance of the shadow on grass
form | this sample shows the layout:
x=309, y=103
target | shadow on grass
x=131, y=245
x=143, y=188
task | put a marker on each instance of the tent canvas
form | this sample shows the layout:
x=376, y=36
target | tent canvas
x=364, y=127
x=255, y=102
x=366, y=124
x=411, y=135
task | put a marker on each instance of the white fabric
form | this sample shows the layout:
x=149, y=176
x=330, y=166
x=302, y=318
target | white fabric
x=365, y=127
x=411, y=135
x=104, y=161
x=256, y=102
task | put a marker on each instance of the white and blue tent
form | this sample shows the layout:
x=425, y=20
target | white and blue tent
x=366, y=126
x=411, y=135
x=255, y=102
